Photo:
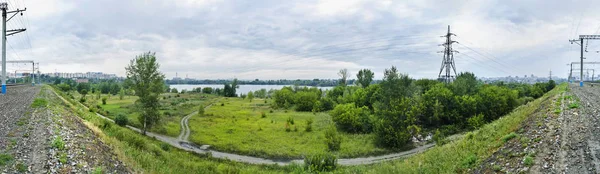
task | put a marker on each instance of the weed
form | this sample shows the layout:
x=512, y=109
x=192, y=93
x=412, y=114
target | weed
x=39, y=102
x=287, y=127
x=469, y=161
x=62, y=158
x=557, y=111
x=309, y=125
x=26, y=134
x=21, y=167
x=573, y=105
x=509, y=136
x=5, y=158
x=320, y=163
x=164, y=146
x=497, y=168
x=58, y=143
x=528, y=161
x=263, y=115
x=98, y=170
x=290, y=120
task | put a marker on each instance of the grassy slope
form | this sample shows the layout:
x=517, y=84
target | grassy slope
x=458, y=156
x=238, y=127
x=145, y=155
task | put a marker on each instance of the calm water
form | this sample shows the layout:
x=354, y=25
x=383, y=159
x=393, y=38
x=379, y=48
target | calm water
x=243, y=89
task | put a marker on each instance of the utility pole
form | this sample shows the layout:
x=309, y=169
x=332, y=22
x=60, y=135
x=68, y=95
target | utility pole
x=5, y=12
x=581, y=38
x=448, y=60
x=550, y=77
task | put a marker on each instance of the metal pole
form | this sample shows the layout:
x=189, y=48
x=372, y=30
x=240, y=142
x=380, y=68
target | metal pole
x=581, y=72
x=4, y=6
x=32, y=74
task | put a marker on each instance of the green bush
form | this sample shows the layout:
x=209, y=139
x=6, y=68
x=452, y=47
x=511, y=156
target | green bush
x=309, y=123
x=121, y=120
x=263, y=115
x=320, y=163
x=82, y=99
x=164, y=146
x=333, y=139
x=350, y=118
x=470, y=161
x=290, y=120
x=476, y=121
x=104, y=100
x=439, y=138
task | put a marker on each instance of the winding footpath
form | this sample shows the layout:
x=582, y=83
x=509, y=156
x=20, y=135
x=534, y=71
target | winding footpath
x=181, y=142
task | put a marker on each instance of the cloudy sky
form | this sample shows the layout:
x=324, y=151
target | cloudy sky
x=304, y=39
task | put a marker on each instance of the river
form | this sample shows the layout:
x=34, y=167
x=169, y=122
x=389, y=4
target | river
x=243, y=89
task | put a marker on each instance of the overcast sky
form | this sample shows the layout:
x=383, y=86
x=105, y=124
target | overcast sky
x=304, y=39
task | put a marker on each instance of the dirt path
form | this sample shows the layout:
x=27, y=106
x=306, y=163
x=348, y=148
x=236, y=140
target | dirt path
x=184, y=145
x=185, y=127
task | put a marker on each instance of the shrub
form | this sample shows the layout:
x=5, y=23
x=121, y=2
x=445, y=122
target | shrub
x=476, y=121
x=164, y=146
x=469, y=161
x=82, y=99
x=290, y=120
x=201, y=110
x=271, y=111
x=287, y=126
x=222, y=104
x=104, y=100
x=309, y=123
x=350, y=118
x=332, y=138
x=121, y=120
x=263, y=115
x=439, y=138
x=320, y=163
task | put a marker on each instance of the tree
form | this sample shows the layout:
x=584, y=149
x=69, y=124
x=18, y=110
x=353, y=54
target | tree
x=201, y=110
x=305, y=100
x=465, y=84
x=82, y=86
x=250, y=96
x=207, y=90
x=148, y=82
x=121, y=94
x=174, y=90
x=83, y=92
x=365, y=77
x=343, y=73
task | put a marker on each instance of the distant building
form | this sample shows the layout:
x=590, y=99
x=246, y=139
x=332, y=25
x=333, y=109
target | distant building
x=81, y=80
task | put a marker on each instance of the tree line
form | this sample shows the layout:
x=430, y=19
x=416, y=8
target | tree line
x=400, y=108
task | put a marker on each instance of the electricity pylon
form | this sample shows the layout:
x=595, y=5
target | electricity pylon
x=448, y=61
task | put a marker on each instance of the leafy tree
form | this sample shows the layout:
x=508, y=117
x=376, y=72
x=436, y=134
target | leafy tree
x=250, y=96
x=82, y=86
x=83, y=92
x=465, y=84
x=201, y=110
x=121, y=94
x=114, y=88
x=148, y=82
x=207, y=90
x=441, y=103
x=174, y=90
x=333, y=138
x=64, y=87
x=365, y=77
x=284, y=97
x=343, y=73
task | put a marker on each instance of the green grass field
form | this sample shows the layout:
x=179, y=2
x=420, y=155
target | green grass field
x=238, y=127
x=172, y=108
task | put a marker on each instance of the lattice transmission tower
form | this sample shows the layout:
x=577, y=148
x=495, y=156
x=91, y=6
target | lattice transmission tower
x=448, y=66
